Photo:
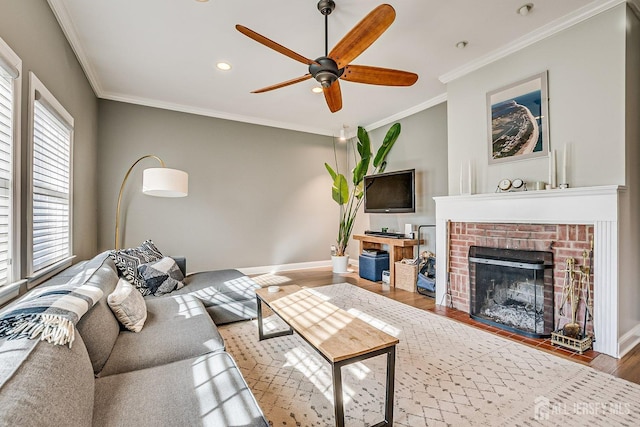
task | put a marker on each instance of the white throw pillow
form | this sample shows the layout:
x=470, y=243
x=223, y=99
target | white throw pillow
x=128, y=305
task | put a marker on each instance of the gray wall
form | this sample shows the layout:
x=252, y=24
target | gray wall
x=586, y=70
x=422, y=146
x=258, y=196
x=630, y=209
x=31, y=30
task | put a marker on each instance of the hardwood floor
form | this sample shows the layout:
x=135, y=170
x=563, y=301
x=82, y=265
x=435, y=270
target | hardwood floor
x=628, y=367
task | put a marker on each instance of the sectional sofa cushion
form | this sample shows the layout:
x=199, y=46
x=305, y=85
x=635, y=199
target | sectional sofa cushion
x=177, y=327
x=128, y=306
x=38, y=381
x=99, y=327
x=162, y=276
x=210, y=388
x=228, y=295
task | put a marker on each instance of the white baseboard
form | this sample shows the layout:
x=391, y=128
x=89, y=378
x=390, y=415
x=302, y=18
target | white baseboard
x=288, y=267
x=628, y=341
x=284, y=267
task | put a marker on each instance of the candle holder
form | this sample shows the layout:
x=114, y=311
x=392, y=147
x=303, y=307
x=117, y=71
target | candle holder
x=563, y=186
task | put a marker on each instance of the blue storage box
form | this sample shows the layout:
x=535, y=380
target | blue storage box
x=371, y=266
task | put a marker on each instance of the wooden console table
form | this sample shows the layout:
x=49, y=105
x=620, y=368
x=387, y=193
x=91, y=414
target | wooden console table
x=398, y=249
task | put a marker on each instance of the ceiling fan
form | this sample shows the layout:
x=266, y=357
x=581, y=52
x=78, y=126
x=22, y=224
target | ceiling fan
x=336, y=64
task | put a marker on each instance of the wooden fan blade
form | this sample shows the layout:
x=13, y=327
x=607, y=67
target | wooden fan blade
x=333, y=96
x=378, y=76
x=283, y=84
x=363, y=35
x=273, y=45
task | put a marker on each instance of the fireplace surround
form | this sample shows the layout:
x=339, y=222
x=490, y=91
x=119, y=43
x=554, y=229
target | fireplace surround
x=575, y=211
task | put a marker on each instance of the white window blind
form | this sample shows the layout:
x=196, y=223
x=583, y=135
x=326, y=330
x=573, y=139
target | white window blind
x=51, y=187
x=6, y=172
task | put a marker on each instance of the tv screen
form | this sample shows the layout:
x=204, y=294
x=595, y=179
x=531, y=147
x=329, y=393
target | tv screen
x=391, y=192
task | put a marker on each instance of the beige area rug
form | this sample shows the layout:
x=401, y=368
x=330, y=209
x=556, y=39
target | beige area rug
x=447, y=373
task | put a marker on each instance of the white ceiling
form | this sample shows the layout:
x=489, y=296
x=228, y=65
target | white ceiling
x=163, y=53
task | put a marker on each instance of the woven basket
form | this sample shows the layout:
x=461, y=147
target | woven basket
x=406, y=276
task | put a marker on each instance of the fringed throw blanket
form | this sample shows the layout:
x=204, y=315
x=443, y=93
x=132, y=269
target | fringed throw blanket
x=50, y=313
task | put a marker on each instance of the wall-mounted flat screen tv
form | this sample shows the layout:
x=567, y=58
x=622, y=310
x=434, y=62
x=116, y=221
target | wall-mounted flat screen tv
x=391, y=192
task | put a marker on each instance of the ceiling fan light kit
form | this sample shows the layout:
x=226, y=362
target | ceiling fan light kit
x=335, y=65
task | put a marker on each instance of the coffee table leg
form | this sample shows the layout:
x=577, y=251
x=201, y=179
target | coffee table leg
x=391, y=374
x=260, y=327
x=388, y=402
x=261, y=334
x=337, y=394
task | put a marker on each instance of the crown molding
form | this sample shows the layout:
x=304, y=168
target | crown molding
x=408, y=112
x=68, y=28
x=265, y=122
x=213, y=113
x=543, y=32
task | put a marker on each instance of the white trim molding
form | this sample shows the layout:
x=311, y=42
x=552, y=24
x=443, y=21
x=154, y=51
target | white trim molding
x=266, y=269
x=406, y=113
x=68, y=28
x=628, y=341
x=271, y=269
x=597, y=206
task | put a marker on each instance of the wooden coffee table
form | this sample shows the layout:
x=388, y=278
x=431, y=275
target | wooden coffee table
x=339, y=337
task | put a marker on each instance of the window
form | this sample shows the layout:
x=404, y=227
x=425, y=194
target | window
x=10, y=87
x=50, y=198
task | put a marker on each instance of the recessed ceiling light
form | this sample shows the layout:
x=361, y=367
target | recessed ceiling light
x=202, y=1
x=462, y=44
x=525, y=9
x=224, y=66
x=316, y=89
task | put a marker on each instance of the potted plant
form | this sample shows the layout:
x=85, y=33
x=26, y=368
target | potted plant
x=349, y=198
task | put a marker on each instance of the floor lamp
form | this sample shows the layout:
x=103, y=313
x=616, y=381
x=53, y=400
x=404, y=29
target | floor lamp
x=159, y=182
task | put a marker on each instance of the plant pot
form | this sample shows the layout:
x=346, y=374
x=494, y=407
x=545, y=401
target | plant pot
x=340, y=263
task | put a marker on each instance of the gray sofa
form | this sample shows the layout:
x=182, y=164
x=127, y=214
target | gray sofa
x=173, y=372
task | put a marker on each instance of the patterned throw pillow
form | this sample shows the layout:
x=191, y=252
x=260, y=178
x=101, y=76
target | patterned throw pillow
x=128, y=306
x=161, y=277
x=128, y=260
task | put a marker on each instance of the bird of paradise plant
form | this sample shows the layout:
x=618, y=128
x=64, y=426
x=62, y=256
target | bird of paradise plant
x=350, y=199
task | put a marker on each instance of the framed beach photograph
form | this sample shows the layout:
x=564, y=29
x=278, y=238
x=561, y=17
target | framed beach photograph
x=518, y=122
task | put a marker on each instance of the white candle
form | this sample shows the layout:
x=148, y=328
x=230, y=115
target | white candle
x=470, y=178
x=462, y=178
x=550, y=167
x=554, y=174
x=564, y=164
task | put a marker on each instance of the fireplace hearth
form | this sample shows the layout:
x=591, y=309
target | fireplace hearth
x=512, y=289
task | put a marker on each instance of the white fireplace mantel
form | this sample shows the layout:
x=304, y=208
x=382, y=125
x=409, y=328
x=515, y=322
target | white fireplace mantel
x=599, y=206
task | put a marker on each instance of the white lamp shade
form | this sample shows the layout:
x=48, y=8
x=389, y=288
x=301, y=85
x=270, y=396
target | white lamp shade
x=165, y=182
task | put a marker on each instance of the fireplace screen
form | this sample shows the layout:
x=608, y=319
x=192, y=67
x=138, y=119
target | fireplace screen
x=512, y=289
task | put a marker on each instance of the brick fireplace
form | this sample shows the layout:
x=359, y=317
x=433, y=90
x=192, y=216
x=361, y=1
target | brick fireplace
x=561, y=221
x=562, y=240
